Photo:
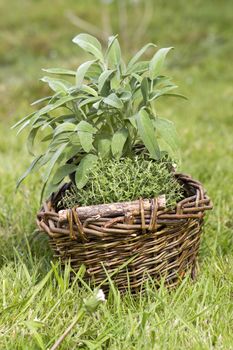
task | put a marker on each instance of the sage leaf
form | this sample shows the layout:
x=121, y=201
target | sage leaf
x=157, y=62
x=145, y=89
x=81, y=71
x=90, y=44
x=103, y=78
x=31, y=138
x=146, y=131
x=168, y=133
x=41, y=100
x=81, y=174
x=113, y=52
x=86, y=127
x=118, y=142
x=57, y=85
x=29, y=170
x=113, y=101
x=136, y=57
x=85, y=132
x=53, y=161
x=104, y=146
x=59, y=71
x=62, y=172
x=63, y=128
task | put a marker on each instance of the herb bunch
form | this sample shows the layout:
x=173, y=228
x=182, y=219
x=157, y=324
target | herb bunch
x=126, y=180
x=105, y=109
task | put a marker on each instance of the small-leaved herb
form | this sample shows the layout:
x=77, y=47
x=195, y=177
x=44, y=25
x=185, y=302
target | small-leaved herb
x=126, y=180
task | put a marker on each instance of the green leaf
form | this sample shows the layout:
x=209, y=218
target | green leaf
x=160, y=92
x=53, y=161
x=157, y=62
x=41, y=100
x=85, y=132
x=60, y=71
x=62, y=172
x=136, y=57
x=145, y=89
x=50, y=107
x=126, y=96
x=167, y=131
x=81, y=72
x=137, y=77
x=90, y=44
x=47, y=137
x=104, y=146
x=147, y=133
x=81, y=175
x=23, y=120
x=85, y=127
x=118, y=142
x=72, y=151
x=176, y=95
x=89, y=100
x=103, y=78
x=132, y=121
x=29, y=170
x=138, y=67
x=113, y=52
x=115, y=82
x=57, y=85
x=89, y=90
x=64, y=127
x=86, y=140
x=31, y=138
x=26, y=123
x=113, y=101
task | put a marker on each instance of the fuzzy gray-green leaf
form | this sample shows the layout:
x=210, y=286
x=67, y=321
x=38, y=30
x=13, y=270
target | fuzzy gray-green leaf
x=59, y=71
x=157, y=62
x=81, y=175
x=103, y=78
x=86, y=139
x=167, y=131
x=113, y=101
x=136, y=57
x=90, y=44
x=81, y=71
x=104, y=146
x=29, y=170
x=53, y=161
x=147, y=133
x=145, y=89
x=62, y=172
x=114, y=52
x=118, y=142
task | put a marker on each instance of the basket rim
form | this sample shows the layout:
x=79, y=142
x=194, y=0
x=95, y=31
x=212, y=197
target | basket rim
x=192, y=206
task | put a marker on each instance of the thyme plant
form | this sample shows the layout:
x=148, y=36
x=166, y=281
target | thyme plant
x=126, y=180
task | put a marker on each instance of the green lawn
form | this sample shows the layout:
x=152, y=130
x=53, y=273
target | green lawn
x=37, y=303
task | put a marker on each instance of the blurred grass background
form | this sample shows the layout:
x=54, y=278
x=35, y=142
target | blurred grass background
x=37, y=34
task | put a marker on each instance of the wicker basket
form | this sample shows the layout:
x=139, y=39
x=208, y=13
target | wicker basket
x=151, y=241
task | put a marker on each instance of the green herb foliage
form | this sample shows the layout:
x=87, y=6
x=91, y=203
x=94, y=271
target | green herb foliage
x=103, y=109
x=126, y=180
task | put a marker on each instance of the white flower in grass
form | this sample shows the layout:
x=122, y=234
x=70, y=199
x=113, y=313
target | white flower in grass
x=100, y=295
x=91, y=304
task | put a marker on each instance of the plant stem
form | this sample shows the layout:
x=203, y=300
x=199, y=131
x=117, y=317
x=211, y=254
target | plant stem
x=68, y=330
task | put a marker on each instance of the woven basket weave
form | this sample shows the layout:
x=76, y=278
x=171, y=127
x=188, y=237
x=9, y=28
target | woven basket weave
x=158, y=242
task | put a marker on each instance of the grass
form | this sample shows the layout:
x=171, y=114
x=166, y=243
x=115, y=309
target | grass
x=36, y=302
